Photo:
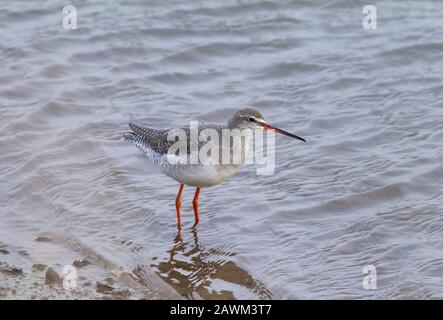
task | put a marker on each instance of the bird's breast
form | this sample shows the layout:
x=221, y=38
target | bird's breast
x=201, y=175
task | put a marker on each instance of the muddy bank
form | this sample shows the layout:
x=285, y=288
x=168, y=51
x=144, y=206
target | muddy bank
x=53, y=272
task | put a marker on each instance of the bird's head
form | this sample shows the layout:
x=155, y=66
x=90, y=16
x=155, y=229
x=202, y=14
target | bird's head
x=249, y=118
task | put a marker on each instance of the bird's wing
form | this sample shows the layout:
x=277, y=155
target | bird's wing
x=150, y=140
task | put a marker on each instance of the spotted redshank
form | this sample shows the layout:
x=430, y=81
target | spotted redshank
x=155, y=144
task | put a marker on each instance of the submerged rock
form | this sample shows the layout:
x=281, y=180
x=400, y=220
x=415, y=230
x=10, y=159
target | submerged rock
x=43, y=239
x=103, y=288
x=81, y=263
x=39, y=267
x=52, y=276
x=112, y=292
x=10, y=270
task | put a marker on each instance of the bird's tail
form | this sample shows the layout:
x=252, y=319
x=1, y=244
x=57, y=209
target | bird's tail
x=140, y=137
x=129, y=136
x=138, y=141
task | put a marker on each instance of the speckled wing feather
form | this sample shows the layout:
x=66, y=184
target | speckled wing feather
x=150, y=142
x=154, y=139
x=154, y=142
x=157, y=139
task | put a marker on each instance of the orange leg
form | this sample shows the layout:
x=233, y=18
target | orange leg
x=178, y=204
x=195, y=205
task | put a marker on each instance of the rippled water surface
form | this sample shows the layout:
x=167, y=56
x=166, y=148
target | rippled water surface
x=365, y=190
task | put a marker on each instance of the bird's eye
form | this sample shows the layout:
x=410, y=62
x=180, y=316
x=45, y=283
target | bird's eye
x=251, y=119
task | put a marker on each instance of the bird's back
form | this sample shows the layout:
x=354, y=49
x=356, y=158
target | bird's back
x=152, y=142
x=156, y=140
x=155, y=145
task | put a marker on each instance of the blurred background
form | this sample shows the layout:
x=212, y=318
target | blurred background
x=365, y=190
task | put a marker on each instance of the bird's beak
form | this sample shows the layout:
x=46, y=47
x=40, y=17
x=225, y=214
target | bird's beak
x=268, y=127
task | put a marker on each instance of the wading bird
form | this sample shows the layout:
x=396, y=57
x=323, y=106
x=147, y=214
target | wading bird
x=156, y=144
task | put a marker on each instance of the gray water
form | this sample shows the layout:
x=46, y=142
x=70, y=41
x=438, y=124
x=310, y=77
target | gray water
x=365, y=189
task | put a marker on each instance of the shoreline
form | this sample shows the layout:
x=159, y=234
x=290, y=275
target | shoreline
x=24, y=277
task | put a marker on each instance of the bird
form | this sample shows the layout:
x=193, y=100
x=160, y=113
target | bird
x=156, y=144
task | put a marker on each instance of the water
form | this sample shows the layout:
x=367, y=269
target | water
x=365, y=189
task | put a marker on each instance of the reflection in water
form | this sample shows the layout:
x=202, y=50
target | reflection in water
x=192, y=268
